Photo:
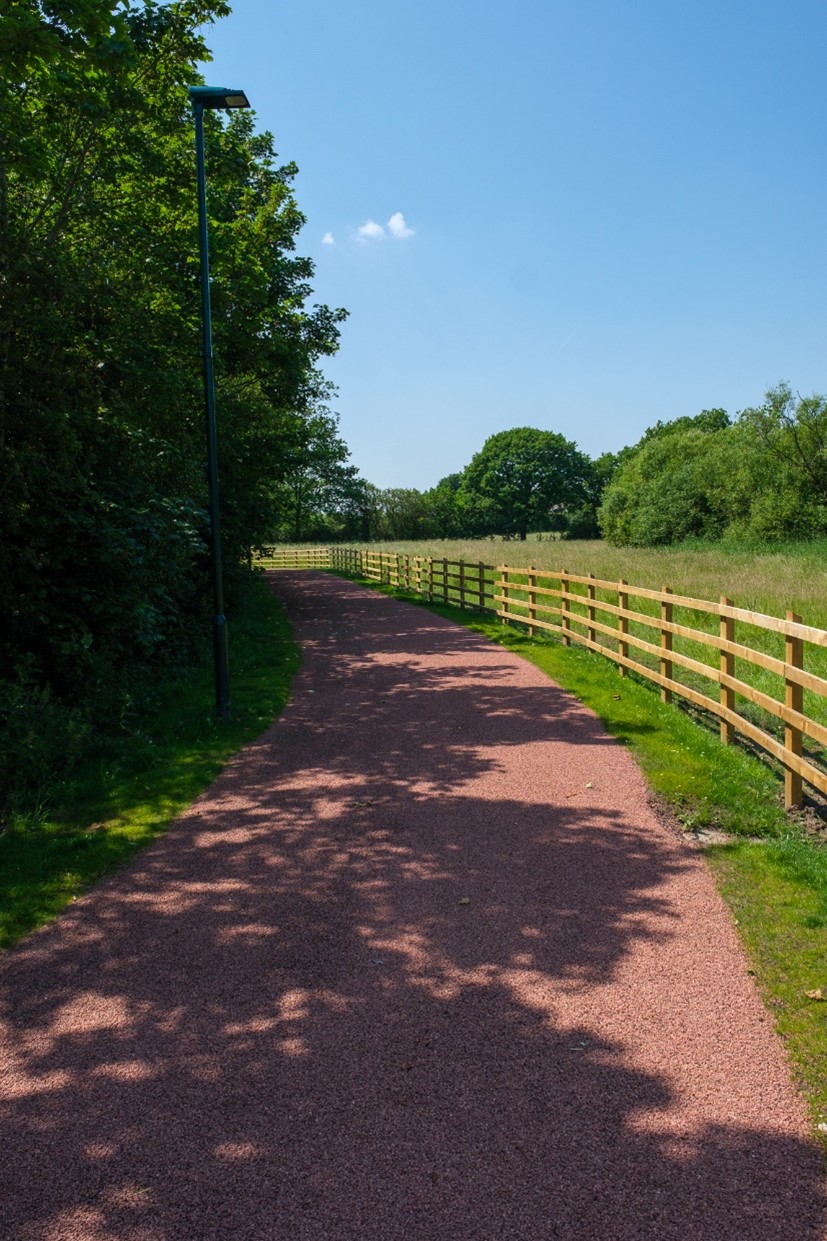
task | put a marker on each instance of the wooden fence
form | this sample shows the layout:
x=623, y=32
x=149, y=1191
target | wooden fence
x=293, y=558
x=753, y=672
x=670, y=646
x=464, y=583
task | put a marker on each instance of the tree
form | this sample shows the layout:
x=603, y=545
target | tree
x=681, y=480
x=316, y=478
x=525, y=477
x=443, y=510
x=103, y=523
x=762, y=476
x=789, y=435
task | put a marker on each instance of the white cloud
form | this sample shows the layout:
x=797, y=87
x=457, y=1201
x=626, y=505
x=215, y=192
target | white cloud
x=398, y=227
x=370, y=229
x=328, y=240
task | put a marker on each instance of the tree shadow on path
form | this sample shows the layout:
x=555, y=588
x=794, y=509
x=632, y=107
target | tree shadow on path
x=400, y=974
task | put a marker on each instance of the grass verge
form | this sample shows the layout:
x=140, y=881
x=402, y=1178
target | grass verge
x=110, y=808
x=772, y=873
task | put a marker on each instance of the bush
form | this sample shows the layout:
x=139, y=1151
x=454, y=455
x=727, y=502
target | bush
x=41, y=739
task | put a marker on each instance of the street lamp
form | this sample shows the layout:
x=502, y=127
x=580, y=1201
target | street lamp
x=203, y=97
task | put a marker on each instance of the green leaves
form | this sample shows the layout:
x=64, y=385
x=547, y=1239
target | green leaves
x=528, y=479
x=763, y=476
x=103, y=494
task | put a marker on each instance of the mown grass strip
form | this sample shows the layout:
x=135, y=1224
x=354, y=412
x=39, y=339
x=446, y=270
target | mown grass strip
x=111, y=808
x=773, y=874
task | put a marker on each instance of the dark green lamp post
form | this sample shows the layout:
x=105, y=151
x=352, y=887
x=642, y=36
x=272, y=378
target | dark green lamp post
x=203, y=97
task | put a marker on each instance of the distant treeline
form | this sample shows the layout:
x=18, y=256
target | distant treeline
x=521, y=480
x=759, y=476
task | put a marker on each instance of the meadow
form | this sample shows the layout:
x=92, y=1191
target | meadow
x=763, y=578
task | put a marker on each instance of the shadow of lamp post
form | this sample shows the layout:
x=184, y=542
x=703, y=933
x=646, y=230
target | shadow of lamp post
x=202, y=97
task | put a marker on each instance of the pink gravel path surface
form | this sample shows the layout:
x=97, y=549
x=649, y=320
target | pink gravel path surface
x=422, y=963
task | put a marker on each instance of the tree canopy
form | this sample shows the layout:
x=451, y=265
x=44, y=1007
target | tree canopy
x=527, y=479
x=102, y=474
x=762, y=475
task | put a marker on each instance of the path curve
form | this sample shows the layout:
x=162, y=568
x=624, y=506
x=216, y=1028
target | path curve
x=422, y=963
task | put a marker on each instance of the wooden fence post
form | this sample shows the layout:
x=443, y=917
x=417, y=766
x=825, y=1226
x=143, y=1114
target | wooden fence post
x=532, y=600
x=445, y=579
x=482, y=586
x=591, y=594
x=565, y=607
x=727, y=668
x=430, y=579
x=666, y=645
x=622, y=624
x=504, y=589
x=794, y=699
x=461, y=583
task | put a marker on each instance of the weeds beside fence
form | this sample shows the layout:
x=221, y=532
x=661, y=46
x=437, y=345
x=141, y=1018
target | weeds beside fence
x=759, y=675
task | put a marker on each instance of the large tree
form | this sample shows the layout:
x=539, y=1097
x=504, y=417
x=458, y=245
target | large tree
x=103, y=548
x=761, y=476
x=527, y=479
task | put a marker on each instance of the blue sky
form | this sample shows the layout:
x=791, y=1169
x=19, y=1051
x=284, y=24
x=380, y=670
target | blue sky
x=593, y=215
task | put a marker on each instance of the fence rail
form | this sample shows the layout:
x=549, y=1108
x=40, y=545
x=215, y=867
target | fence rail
x=717, y=656
x=465, y=583
x=670, y=653
x=293, y=558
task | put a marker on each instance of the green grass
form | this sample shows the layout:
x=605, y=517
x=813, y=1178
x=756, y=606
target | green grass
x=778, y=894
x=773, y=874
x=109, y=809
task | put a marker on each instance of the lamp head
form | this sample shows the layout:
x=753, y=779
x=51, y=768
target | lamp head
x=217, y=97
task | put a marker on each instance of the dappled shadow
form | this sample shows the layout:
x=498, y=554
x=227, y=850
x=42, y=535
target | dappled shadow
x=400, y=973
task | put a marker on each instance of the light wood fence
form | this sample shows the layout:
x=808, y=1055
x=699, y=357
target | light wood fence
x=670, y=645
x=464, y=583
x=753, y=672
x=293, y=558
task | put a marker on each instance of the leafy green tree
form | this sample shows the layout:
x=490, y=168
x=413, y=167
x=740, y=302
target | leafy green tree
x=663, y=493
x=316, y=478
x=526, y=478
x=763, y=476
x=707, y=421
x=103, y=526
x=788, y=436
x=445, y=518
x=583, y=522
x=404, y=514
x=359, y=510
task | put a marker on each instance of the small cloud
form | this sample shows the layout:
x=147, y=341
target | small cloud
x=398, y=227
x=370, y=229
x=328, y=240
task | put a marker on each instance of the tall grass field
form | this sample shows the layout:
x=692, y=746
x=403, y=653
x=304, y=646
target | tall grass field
x=769, y=579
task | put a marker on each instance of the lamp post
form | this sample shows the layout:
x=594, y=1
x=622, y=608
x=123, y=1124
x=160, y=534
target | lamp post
x=203, y=97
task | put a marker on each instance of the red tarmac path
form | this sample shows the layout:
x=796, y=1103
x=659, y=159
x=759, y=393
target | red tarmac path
x=422, y=963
